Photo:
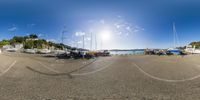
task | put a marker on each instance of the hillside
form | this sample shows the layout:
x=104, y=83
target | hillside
x=32, y=41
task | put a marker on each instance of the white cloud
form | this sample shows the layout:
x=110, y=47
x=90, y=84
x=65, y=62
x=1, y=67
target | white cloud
x=79, y=42
x=40, y=35
x=102, y=21
x=136, y=30
x=88, y=38
x=128, y=28
x=79, y=33
x=117, y=25
x=12, y=29
x=119, y=33
x=119, y=16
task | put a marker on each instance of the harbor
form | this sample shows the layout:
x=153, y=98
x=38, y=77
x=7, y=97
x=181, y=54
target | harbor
x=99, y=50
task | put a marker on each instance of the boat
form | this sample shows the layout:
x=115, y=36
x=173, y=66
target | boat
x=44, y=51
x=174, y=50
x=11, y=49
x=31, y=51
x=59, y=52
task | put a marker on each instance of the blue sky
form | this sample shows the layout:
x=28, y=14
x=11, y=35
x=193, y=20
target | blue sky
x=118, y=24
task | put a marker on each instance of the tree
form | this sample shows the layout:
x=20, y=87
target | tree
x=196, y=44
x=28, y=44
x=4, y=42
x=18, y=39
x=33, y=36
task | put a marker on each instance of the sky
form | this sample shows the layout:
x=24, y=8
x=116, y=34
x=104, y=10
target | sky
x=103, y=24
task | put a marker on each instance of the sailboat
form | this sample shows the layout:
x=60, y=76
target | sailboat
x=174, y=50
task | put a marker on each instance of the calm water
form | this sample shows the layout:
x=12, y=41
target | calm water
x=125, y=52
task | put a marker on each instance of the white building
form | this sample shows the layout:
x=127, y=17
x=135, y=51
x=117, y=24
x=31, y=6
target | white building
x=13, y=48
x=190, y=49
x=18, y=46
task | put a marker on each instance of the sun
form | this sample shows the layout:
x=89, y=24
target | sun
x=106, y=35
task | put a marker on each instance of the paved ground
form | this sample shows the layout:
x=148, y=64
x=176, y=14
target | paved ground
x=29, y=77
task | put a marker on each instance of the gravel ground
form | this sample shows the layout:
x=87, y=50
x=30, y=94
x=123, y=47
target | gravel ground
x=30, y=77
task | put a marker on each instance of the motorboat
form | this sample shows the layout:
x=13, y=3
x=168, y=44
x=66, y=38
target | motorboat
x=11, y=49
x=32, y=51
x=44, y=51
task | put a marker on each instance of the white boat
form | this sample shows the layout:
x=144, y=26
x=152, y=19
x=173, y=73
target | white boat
x=32, y=51
x=59, y=51
x=11, y=49
x=44, y=51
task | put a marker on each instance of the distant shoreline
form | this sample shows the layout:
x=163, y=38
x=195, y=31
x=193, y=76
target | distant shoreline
x=126, y=50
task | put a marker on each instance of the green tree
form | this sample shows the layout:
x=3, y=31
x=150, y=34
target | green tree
x=18, y=39
x=196, y=44
x=33, y=36
x=28, y=44
x=4, y=42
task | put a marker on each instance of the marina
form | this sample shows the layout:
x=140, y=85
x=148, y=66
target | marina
x=99, y=50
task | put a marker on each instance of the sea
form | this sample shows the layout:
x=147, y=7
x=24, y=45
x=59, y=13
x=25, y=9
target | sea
x=127, y=52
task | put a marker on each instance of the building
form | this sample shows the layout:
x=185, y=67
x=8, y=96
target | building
x=190, y=49
x=18, y=46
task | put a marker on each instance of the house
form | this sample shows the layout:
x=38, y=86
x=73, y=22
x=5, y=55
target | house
x=32, y=39
x=18, y=46
x=190, y=49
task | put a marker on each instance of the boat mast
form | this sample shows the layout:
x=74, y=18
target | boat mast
x=174, y=34
x=91, y=41
x=63, y=32
x=95, y=41
x=62, y=37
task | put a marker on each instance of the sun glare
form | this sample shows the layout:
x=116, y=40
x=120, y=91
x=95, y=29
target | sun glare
x=105, y=35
